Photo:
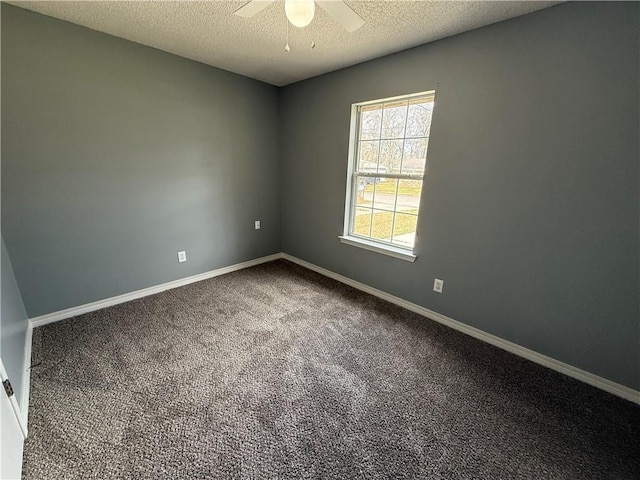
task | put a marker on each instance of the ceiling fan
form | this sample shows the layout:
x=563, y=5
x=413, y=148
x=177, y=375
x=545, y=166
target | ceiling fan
x=301, y=12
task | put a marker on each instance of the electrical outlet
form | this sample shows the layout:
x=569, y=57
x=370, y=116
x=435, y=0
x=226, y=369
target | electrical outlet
x=438, y=285
x=257, y=224
x=182, y=257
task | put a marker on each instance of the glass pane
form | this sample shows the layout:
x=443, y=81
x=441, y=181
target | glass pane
x=404, y=229
x=368, y=156
x=419, y=118
x=364, y=195
x=394, y=118
x=390, y=156
x=376, y=192
x=370, y=122
x=409, y=196
x=362, y=222
x=381, y=225
x=385, y=193
x=415, y=156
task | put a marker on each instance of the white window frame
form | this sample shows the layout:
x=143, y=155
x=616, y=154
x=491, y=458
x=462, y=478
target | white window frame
x=356, y=241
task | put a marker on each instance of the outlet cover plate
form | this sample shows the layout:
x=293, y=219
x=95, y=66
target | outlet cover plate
x=438, y=285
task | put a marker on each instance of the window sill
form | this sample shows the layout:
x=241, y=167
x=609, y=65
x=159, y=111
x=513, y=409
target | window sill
x=379, y=248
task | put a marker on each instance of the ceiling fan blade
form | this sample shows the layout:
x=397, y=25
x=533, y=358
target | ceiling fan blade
x=253, y=8
x=343, y=14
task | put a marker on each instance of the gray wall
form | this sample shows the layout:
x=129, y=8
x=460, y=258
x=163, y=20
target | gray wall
x=115, y=156
x=530, y=208
x=13, y=326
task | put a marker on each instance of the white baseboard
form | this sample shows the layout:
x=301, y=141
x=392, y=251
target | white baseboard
x=564, y=368
x=126, y=297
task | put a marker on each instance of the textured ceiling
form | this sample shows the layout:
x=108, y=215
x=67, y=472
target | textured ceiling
x=210, y=33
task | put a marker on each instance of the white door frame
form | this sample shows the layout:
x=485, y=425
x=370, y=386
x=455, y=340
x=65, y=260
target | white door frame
x=14, y=433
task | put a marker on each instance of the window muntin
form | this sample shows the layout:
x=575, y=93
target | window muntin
x=389, y=140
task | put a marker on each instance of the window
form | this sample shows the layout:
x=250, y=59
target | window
x=387, y=161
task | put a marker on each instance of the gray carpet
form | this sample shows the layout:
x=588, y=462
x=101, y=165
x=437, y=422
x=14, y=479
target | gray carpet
x=277, y=372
